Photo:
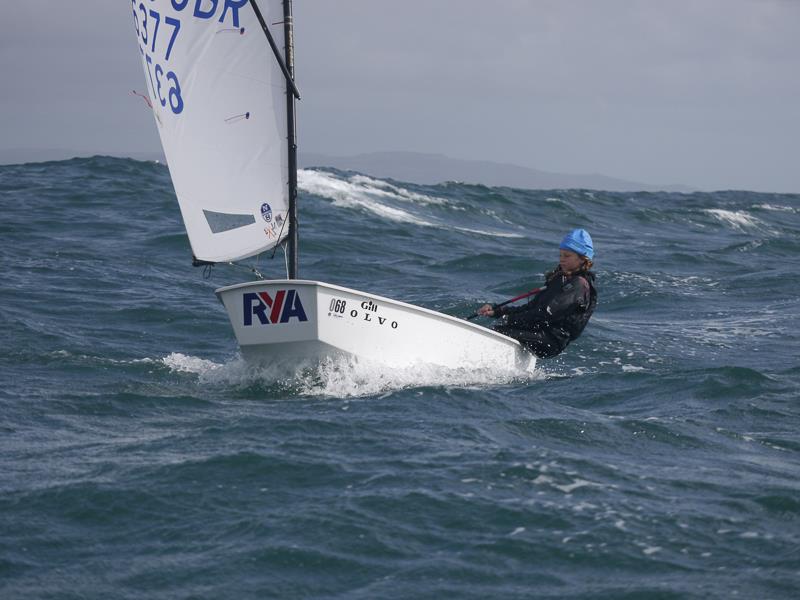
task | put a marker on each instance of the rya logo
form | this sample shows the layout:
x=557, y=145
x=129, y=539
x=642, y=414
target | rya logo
x=285, y=305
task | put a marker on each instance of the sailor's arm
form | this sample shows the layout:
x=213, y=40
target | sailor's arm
x=491, y=310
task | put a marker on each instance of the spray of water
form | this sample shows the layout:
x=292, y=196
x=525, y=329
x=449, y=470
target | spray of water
x=343, y=376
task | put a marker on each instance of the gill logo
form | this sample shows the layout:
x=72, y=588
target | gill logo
x=285, y=305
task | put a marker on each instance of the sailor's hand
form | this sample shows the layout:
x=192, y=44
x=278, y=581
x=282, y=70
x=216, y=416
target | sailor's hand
x=486, y=310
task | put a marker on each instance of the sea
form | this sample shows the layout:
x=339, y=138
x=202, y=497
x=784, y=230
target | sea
x=658, y=457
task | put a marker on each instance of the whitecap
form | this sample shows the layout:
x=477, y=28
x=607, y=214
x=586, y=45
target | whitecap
x=774, y=207
x=349, y=195
x=571, y=487
x=490, y=233
x=749, y=535
x=378, y=186
x=181, y=363
x=362, y=192
x=739, y=219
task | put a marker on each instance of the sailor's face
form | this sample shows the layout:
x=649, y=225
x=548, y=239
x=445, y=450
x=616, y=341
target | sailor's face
x=569, y=260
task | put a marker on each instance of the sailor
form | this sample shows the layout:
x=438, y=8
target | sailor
x=557, y=315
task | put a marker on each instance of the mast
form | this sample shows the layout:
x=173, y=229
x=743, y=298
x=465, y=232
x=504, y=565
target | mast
x=286, y=63
x=294, y=238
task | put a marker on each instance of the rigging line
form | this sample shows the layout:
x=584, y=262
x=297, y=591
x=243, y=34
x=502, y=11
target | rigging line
x=254, y=269
x=286, y=260
x=280, y=233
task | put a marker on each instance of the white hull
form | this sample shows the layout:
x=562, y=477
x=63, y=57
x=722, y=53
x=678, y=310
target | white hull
x=308, y=320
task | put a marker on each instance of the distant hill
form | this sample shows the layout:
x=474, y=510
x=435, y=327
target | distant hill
x=16, y=156
x=436, y=168
x=414, y=167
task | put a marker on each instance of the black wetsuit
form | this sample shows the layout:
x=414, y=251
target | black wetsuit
x=555, y=317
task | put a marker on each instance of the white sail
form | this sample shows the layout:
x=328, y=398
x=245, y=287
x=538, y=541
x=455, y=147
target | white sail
x=219, y=100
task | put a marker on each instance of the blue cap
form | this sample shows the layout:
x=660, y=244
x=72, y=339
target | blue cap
x=580, y=242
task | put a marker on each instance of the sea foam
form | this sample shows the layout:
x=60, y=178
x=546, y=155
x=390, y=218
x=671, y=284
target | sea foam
x=343, y=377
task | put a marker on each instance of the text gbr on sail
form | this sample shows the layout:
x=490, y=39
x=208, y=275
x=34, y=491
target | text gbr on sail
x=207, y=9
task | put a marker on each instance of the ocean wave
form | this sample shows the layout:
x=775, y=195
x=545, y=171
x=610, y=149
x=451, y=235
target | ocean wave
x=775, y=208
x=352, y=195
x=647, y=284
x=738, y=219
x=361, y=192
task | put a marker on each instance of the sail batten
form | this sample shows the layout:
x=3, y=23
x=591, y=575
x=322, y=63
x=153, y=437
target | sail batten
x=219, y=101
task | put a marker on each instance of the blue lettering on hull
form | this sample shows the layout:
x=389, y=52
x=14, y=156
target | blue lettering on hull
x=284, y=306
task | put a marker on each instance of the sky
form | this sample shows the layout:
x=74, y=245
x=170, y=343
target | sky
x=702, y=93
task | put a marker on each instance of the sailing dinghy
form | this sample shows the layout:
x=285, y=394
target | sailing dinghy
x=223, y=96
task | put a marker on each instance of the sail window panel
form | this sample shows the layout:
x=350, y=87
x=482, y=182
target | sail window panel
x=222, y=222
